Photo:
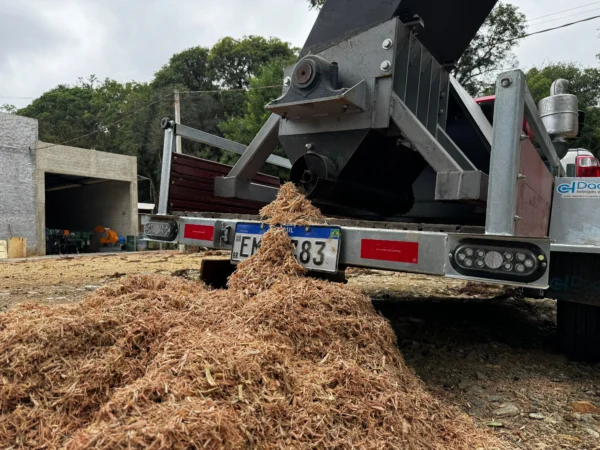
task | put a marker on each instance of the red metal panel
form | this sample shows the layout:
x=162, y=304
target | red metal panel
x=395, y=251
x=192, y=187
x=200, y=232
x=534, y=196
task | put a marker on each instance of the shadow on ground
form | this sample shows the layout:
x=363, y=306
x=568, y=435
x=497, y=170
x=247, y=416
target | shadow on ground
x=492, y=354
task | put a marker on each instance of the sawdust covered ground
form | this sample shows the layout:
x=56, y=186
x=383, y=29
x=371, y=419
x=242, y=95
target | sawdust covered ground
x=69, y=279
x=473, y=346
x=278, y=360
x=492, y=353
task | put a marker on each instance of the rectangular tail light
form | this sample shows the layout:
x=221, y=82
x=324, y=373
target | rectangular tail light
x=587, y=167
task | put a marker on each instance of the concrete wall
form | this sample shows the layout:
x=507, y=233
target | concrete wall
x=113, y=205
x=18, y=138
x=83, y=208
x=24, y=161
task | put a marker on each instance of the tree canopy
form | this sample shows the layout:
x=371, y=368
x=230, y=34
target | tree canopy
x=316, y=3
x=88, y=107
x=9, y=109
x=490, y=51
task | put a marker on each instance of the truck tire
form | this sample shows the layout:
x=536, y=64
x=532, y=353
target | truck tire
x=579, y=330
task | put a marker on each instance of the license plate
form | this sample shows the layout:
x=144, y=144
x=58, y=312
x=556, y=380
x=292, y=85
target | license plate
x=316, y=247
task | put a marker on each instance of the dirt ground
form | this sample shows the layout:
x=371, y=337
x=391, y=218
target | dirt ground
x=479, y=347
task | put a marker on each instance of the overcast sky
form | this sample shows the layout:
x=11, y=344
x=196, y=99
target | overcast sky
x=48, y=42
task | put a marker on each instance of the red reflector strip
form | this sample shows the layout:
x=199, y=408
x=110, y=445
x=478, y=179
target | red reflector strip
x=395, y=251
x=199, y=232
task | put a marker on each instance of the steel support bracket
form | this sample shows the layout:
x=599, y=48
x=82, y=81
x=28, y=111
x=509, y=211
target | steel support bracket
x=258, y=151
x=426, y=144
x=232, y=187
x=467, y=186
x=353, y=99
x=225, y=144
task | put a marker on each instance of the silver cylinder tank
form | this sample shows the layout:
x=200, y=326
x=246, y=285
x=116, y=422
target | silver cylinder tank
x=560, y=111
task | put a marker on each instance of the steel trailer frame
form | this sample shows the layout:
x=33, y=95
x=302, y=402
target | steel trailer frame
x=409, y=91
x=433, y=243
x=400, y=247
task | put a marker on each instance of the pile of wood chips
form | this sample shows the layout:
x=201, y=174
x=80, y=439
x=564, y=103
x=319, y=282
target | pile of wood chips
x=278, y=360
x=290, y=208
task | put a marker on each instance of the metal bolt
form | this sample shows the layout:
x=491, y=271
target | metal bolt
x=524, y=137
x=309, y=146
x=442, y=112
x=451, y=255
x=386, y=66
x=505, y=82
x=387, y=44
x=518, y=218
x=287, y=81
x=307, y=229
x=521, y=176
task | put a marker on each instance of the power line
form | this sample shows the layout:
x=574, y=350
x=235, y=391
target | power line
x=566, y=17
x=563, y=11
x=545, y=31
x=109, y=125
x=278, y=86
x=151, y=104
x=233, y=90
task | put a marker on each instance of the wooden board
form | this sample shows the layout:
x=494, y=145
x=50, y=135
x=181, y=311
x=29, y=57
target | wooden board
x=3, y=250
x=534, y=197
x=192, y=187
x=17, y=247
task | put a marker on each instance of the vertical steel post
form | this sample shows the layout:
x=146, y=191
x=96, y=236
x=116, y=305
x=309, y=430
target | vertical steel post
x=165, y=176
x=177, y=105
x=506, y=149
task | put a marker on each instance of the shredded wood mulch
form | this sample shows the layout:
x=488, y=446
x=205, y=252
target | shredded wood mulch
x=290, y=208
x=277, y=361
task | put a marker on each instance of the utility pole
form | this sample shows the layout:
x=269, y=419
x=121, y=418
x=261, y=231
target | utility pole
x=177, y=104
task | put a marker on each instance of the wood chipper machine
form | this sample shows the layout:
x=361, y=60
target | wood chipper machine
x=418, y=176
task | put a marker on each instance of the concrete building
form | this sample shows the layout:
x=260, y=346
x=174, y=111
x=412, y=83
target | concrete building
x=59, y=187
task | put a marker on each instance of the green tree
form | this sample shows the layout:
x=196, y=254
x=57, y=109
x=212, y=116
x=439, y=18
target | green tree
x=316, y=3
x=490, y=52
x=106, y=116
x=66, y=112
x=9, y=109
x=585, y=83
x=234, y=61
x=124, y=117
x=189, y=68
x=243, y=128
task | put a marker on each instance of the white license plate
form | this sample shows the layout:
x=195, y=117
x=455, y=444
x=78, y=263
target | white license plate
x=317, y=247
